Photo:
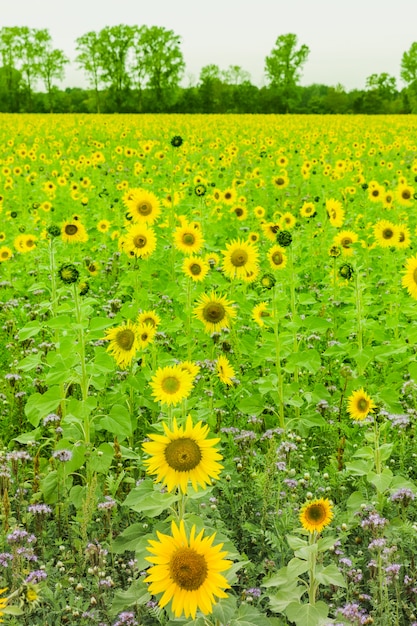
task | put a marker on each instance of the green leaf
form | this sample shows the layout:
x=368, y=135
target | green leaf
x=297, y=566
x=307, y=614
x=39, y=405
x=279, y=601
x=101, y=459
x=137, y=594
x=147, y=500
x=248, y=615
x=252, y=405
x=224, y=609
x=326, y=543
x=296, y=542
x=30, y=330
x=381, y=481
x=30, y=362
x=361, y=467
x=330, y=575
x=118, y=422
x=308, y=359
x=62, y=321
x=129, y=538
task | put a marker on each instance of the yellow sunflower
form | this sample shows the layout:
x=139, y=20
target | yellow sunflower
x=260, y=312
x=335, y=212
x=195, y=268
x=123, y=344
x=3, y=603
x=404, y=236
x=214, y=311
x=277, y=257
x=316, y=515
x=145, y=334
x=240, y=260
x=73, y=232
x=386, y=233
x=188, y=238
x=150, y=318
x=143, y=206
x=270, y=230
x=187, y=571
x=287, y=221
x=171, y=384
x=409, y=280
x=182, y=455
x=359, y=405
x=225, y=371
x=139, y=241
x=5, y=254
x=190, y=367
x=212, y=259
x=404, y=194
x=103, y=226
x=281, y=181
x=345, y=239
x=308, y=210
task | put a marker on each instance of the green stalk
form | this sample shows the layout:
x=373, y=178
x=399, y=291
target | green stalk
x=280, y=386
x=84, y=377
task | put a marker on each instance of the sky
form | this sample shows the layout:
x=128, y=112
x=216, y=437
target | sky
x=348, y=39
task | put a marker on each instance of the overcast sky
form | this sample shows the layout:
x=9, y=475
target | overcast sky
x=348, y=39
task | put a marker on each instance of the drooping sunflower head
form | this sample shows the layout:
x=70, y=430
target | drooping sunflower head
x=124, y=343
x=260, y=313
x=187, y=570
x=182, y=455
x=215, y=312
x=360, y=404
x=316, y=515
x=171, y=384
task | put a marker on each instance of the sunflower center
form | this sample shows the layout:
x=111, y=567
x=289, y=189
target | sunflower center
x=195, y=269
x=214, y=312
x=363, y=404
x=239, y=212
x=387, y=233
x=415, y=276
x=144, y=208
x=171, y=384
x=5, y=255
x=188, y=569
x=188, y=239
x=274, y=228
x=279, y=181
x=30, y=243
x=375, y=193
x=401, y=237
x=183, y=454
x=125, y=339
x=239, y=257
x=406, y=194
x=139, y=241
x=277, y=258
x=346, y=241
x=71, y=229
x=316, y=513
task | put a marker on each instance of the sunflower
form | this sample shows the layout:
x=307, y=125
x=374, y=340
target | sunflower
x=335, y=212
x=150, y=318
x=308, y=210
x=240, y=260
x=359, y=405
x=182, y=455
x=386, y=233
x=376, y=192
x=139, y=241
x=103, y=226
x=259, y=312
x=270, y=230
x=188, y=238
x=281, y=181
x=190, y=367
x=241, y=212
x=405, y=194
x=277, y=257
x=409, y=280
x=3, y=603
x=229, y=195
x=345, y=239
x=196, y=268
x=143, y=206
x=225, y=371
x=171, y=384
x=214, y=311
x=287, y=221
x=145, y=334
x=388, y=200
x=315, y=515
x=404, y=236
x=187, y=571
x=73, y=232
x=212, y=259
x=259, y=212
x=5, y=254
x=124, y=343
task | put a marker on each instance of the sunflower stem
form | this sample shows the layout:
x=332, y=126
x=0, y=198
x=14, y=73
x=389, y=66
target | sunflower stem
x=84, y=377
x=293, y=316
x=280, y=385
x=312, y=589
x=358, y=298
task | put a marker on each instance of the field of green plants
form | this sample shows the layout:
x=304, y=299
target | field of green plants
x=208, y=378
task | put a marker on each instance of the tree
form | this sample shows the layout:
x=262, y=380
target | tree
x=9, y=48
x=160, y=61
x=409, y=65
x=385, y=84
x=89, y=59
x=115, y=45
x=235, y=75
x=283, y=66
x=51, y=66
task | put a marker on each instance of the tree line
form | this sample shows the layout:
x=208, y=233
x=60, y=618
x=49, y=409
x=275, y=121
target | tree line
x=132, y=69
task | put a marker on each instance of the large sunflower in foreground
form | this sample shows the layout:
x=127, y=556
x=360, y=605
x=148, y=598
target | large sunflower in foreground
x=183, y=455
x=124, y=343
x=315, y=515
x=409, y=280
x=360, y=404
x=187, y=570
x=143, y=206
x=214, y=311
x=171, y=384
x=240, y=260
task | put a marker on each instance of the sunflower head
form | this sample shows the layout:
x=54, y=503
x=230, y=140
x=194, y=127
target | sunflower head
x=316, y=515
x=360, y=404
x=68, y=273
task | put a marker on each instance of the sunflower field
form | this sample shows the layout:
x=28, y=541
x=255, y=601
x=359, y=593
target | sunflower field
x=208, y=376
